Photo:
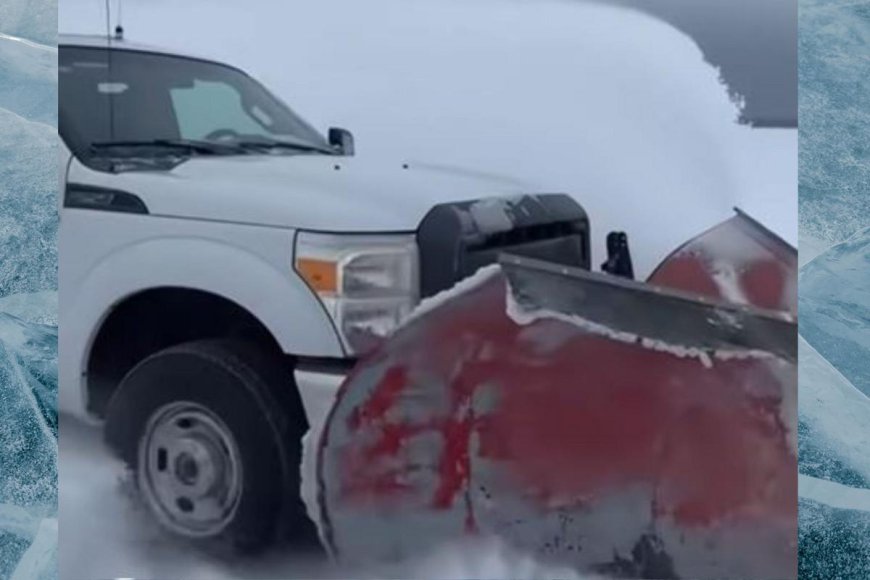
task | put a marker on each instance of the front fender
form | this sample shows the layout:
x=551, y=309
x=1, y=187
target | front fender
x=278, y=299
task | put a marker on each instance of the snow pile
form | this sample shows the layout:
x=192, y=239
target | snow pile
x=607, y=104
x=479, y=278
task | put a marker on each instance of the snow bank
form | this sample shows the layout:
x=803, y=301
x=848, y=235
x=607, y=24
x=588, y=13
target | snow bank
x=608, y=104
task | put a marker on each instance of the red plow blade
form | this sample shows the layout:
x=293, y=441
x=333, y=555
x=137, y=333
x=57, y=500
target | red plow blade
x=536, y=406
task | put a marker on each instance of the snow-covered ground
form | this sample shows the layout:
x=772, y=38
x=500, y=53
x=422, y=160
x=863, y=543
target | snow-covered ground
x=613, y=106
x=106, y=533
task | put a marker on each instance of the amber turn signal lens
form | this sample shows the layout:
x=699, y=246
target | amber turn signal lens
x=321, y=275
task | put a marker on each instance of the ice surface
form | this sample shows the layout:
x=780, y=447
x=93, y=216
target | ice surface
x=28, y=79
x=834, y=373
x=28, y=449
x=834, y=489
x=34, y=20
x=28, y=283
x=834, y=119
x=835, y=307
x=28, y=206
x=834, y=417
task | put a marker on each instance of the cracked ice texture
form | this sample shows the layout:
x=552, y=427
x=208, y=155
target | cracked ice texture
x=28, y=205
x=28, y=441
x=835, y=307
x=834, y=416
x=834, y=168
x=28, y=282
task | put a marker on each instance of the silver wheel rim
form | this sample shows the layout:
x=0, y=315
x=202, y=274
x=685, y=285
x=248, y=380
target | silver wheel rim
x=190, y=469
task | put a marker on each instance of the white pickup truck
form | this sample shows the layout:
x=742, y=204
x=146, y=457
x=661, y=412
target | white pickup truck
x=220, y=261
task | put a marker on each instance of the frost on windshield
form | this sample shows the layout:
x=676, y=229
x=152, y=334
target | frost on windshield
x=28, y=282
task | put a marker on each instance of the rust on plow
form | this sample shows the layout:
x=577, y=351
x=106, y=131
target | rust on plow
x=593, y=449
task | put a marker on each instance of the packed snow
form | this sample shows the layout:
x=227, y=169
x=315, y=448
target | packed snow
x=613, y=106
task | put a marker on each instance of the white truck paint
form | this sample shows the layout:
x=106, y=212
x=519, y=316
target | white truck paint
x=226, y=225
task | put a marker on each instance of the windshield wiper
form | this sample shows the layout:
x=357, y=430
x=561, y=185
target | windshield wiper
x=280, y=144
x=192, y=146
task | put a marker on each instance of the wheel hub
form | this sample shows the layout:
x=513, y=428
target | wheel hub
x=190, y=470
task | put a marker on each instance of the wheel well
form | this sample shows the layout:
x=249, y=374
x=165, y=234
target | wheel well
x=152, y=320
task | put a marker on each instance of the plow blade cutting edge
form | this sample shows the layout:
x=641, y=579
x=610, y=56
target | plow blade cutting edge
x=618, y=428
x=670, y=317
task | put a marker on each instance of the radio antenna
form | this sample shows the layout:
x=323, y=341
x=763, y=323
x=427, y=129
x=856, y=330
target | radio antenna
x=119, y=28
x=109, y=70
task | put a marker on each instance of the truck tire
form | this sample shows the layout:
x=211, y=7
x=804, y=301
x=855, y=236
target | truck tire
x=212, y=431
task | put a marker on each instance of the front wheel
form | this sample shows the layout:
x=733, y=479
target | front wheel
x=212, y=434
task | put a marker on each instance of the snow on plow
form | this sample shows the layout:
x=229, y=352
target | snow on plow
x=627, y=429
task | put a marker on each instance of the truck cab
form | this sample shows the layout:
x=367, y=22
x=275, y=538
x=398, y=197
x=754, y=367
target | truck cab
x=223, y=265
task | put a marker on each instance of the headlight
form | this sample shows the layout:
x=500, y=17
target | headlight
x=367, y=283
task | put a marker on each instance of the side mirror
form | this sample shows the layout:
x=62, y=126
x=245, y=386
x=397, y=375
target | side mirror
x=341, y=140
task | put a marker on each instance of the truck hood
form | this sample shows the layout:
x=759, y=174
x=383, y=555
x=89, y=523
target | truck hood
x=306, y=191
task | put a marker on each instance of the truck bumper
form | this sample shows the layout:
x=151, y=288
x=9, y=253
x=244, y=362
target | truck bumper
x=318, y=390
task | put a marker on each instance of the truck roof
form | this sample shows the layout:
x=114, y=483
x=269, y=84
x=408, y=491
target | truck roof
x=102, y=41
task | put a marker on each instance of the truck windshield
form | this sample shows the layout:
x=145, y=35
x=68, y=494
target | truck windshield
x=127, y=103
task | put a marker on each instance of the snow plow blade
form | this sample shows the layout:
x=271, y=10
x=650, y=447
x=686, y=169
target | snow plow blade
x=613, y=427
x=645, y=311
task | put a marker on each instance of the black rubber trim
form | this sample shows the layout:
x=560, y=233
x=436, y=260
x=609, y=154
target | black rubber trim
x=82, y=196
x=324, y=365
